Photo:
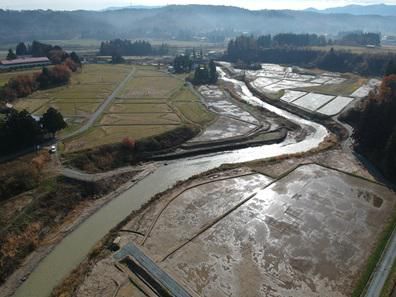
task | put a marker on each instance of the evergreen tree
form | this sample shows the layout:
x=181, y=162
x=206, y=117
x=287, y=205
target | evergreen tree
x=19, y=131
x=391, y=68
x=75, y=58
x=52, y=121
x=11, y=55
x=201, y=75
x=117, y=59
x=21, y=49
x=212, y=72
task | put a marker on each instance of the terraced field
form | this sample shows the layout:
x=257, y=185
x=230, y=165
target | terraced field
x=152, y=102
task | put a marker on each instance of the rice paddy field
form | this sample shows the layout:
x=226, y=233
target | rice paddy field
x=81, y=98
x=152, y=102
x=320, y=92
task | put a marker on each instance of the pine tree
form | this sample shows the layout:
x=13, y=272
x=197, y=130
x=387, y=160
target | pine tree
x=21, y=49
x=11, y=55
x=212, y=72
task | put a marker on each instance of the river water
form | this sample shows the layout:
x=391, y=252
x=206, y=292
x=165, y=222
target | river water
x=74, y=247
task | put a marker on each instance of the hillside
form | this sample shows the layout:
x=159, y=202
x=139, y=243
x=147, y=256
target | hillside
x=177, y=22
x=375, y=9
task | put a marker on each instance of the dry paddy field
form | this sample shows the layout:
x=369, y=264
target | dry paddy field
x=82, y=97
x=152, y=102
x=241, y=233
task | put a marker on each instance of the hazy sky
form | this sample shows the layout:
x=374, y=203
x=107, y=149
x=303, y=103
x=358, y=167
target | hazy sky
x=251, y=4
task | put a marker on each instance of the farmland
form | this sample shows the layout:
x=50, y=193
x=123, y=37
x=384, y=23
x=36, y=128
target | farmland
x=294, y=222
x=314, y=91
x=81, y=98
x=152, y=102
x=239, y=232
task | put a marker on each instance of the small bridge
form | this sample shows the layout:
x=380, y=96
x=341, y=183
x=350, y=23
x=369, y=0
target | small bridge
x=161, y=283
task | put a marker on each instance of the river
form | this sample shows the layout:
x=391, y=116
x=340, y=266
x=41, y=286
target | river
x=76, y=246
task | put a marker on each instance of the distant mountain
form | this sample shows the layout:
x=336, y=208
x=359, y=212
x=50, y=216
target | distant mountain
x=376, y=9
x=130, y=7
x=182, y=22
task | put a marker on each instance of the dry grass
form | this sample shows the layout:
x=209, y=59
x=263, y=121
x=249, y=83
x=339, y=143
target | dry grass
x=140, y=119
x=184, y=95
x=70, y=109
x=195, y=112
x=343, y=89
x=151, y=87
x=82, y=96
x=358, y=49
x=31, y=105
x=139, y=108
x=102, y=135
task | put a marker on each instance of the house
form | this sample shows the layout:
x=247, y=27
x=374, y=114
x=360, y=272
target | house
x=24, y=62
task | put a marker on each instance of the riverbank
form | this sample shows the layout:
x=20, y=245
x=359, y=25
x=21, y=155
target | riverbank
x=78, y=213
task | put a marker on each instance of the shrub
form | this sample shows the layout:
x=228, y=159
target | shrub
x=129, y=143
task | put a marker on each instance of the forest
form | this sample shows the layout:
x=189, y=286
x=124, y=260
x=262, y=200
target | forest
x=118, y=47
x=249, y=49
x=374, y=124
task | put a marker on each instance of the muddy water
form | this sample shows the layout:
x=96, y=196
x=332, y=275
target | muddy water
x=72, y=250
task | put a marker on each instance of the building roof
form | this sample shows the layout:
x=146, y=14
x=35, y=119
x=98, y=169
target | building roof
x=24, y=61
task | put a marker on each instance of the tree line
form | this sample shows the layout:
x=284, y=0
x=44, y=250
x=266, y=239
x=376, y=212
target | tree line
x=205, y=74
x=359, y=39
x=248, y=49
x=279, y=40
x=374, y=122
x=24, y=85
x=118, y=47
x=38, y=49
x=20, y=130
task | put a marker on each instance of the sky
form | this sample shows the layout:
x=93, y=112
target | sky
x=250, y=4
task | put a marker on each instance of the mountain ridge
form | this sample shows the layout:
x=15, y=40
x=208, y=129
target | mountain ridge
x=178, y=22
x=354, y=9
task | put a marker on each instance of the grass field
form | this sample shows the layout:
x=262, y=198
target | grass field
x=343, y=89
x=101, y=135
x=151, y=87
x=151, y=103
x=358, y=49
x=140, y=108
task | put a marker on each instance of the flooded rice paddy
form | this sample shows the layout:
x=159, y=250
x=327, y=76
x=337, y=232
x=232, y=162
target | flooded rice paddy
x=306, y=234
x=273, y=79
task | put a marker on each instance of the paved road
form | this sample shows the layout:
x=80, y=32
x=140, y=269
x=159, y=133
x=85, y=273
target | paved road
x=382, y=269
x=101, y=109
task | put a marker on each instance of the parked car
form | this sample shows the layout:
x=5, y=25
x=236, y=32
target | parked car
x=52, y=149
